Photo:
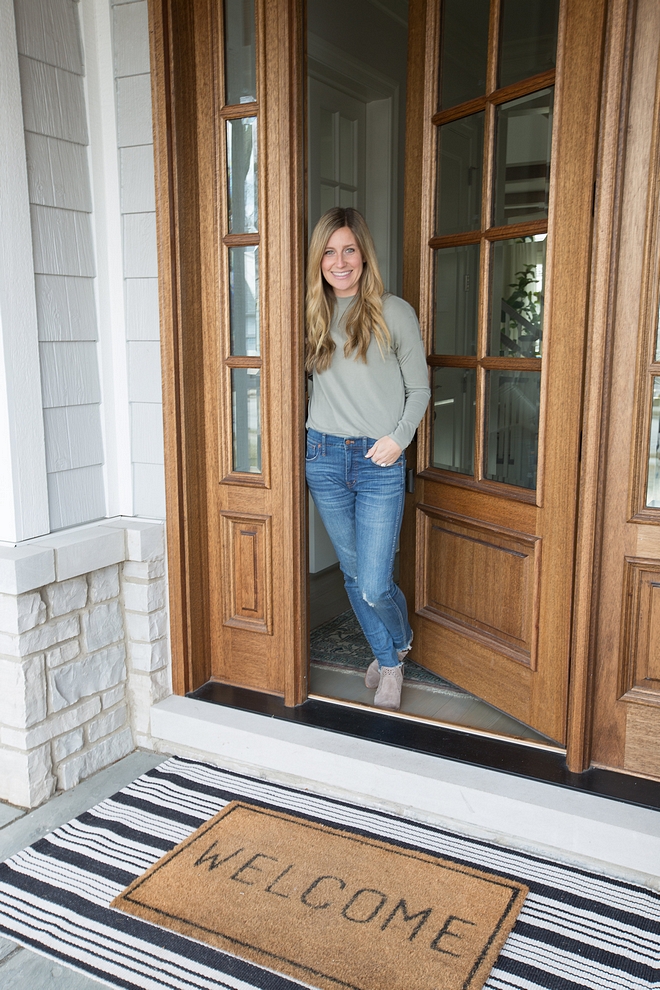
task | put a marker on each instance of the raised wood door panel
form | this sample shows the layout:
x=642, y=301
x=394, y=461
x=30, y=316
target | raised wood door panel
x=235, y=486
x=494, y=563
x=626, y=664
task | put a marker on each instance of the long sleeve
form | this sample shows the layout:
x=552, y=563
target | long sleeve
x=412, y=362
x=387, y=395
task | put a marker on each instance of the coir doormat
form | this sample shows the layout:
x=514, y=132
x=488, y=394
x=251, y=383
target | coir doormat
x=329, y=907
x=577, y=930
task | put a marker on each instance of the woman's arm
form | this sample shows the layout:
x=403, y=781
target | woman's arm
x=404, y=326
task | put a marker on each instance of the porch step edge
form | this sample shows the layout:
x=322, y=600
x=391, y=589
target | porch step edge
x=611, y=837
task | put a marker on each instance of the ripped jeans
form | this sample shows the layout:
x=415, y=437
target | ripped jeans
x=361, y=505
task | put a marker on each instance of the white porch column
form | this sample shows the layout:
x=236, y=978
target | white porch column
x=23, y=484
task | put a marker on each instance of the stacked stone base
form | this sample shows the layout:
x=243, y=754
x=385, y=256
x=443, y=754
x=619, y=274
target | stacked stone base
x=84, y=653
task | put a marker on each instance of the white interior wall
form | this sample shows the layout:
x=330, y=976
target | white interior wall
x=130, y=32
x=56, y=137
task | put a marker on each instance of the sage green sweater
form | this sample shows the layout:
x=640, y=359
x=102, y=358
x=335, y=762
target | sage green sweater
x=388, y=395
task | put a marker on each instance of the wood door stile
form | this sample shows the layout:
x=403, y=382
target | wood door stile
x=235, y=539
x=607, y=218
x=568, y=265
x=626, y=716
x=177, y=51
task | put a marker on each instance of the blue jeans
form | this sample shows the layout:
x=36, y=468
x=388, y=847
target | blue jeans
x=361, y=505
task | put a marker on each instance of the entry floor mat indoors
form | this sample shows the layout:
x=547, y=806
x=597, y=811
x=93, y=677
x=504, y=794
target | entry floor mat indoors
x=576, y=929
x=341, y=643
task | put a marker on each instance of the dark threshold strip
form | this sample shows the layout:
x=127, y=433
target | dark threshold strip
x=449, y=744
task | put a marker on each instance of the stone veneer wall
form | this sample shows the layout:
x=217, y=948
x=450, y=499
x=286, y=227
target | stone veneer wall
x=84, y=653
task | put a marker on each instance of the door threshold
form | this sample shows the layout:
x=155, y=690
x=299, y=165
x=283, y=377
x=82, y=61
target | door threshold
x=411, y=717
x=442, y=704
x=545, y=765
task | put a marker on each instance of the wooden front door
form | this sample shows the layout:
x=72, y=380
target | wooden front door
x=228, y=98
x=501, y=155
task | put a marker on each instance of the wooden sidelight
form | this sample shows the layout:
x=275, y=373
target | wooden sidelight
x=624, y=669
x=228, y=94
x=499, y=212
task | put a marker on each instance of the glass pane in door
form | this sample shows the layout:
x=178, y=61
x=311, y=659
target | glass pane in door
x=518, y=268
x=240, y=61
x=528, y=42
x=456, y=299
x=244, y=300
x=242, y=174
x=454, y=394
x=653, y=485
x=460, y=153
x=513, y=399
x=464, y=51
x=522, y=174
x=246, y=419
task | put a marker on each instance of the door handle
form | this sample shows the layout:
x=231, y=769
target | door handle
x=410, y=481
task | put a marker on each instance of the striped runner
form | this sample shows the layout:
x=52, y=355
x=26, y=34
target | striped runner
x=576, y=929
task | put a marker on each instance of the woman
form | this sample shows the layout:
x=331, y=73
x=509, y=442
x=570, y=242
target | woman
x=370, y=390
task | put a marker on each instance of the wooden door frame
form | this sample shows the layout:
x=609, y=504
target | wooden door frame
x=184, y=65
x=615, y=91
x=182, y=88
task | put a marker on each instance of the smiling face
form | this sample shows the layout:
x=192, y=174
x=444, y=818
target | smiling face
x=342, y=262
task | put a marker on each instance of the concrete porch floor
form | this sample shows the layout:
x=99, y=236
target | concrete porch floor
x=22, y=969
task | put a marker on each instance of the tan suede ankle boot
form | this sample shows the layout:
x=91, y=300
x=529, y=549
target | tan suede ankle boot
x=372, y=676
x=388, y=694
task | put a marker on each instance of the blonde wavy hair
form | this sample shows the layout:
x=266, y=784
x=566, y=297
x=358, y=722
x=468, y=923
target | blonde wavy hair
x=365, y=316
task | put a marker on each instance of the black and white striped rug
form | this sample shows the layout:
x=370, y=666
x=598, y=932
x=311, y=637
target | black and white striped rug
x=576, y=929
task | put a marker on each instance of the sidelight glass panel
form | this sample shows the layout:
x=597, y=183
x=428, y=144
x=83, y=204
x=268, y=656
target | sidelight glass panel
x=456, y=299
x=460, y=153
x=240, y=52
x=454, y=396
x=512, y=429
x=246, y=419
x=657, y=339
x=528, y=42
x=242, y=174
x=522, y=173
x=244, y=300
x=516, y=327
x=653, y=485
x=464, y=51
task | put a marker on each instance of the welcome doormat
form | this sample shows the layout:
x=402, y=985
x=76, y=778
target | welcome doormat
x=327, y=906
x=576, y=929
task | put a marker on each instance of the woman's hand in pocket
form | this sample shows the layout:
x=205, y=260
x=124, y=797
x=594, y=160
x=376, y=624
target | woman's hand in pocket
x=384, y=452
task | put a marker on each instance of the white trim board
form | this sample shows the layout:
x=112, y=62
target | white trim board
x=96, y=16
x=597, y=833
x=23, y=492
